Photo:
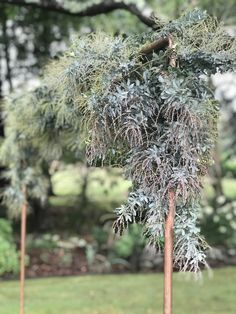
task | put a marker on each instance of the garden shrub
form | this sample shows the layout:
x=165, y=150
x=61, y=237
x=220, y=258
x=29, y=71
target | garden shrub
x=8, y=252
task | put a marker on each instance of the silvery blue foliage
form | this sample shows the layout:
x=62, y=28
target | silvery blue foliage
x=135, y=111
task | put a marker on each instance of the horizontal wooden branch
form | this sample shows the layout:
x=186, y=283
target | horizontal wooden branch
x=158, y=45
x=91, y=10
x=155, y=46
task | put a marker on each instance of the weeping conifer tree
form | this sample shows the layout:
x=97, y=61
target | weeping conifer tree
x=143, y=103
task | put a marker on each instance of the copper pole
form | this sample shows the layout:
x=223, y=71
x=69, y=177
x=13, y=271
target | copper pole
x=22, y=255
x=169, y=229
x=168, y=254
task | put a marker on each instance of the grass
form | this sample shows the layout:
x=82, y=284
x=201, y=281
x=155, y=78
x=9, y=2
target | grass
x=124, y=294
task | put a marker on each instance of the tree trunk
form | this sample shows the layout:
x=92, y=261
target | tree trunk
x=1, y=95
x=83, y=195
x=6, y=48
x=22, y=255
x=2, y=179
x=168, y=254
x=216, y=175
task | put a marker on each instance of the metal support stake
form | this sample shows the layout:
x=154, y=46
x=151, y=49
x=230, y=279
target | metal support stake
x=168, y=254
x=22, y=254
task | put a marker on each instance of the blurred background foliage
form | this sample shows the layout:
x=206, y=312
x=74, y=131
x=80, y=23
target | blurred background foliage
x=72, y=227
x=8, y=253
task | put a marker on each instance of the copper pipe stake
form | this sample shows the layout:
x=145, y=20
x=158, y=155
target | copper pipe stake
x=168, y=254
x=22, y=256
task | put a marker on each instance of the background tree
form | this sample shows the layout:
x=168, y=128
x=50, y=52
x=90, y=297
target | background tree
x=34, y=32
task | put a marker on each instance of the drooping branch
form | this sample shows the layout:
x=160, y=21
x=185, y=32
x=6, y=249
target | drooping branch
x=146, y=15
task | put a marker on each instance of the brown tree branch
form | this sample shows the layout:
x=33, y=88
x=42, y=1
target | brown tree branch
x=106, y=6
x=155, y=46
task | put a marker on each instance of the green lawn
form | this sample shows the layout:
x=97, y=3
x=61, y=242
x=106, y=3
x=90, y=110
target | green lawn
x=129, y=294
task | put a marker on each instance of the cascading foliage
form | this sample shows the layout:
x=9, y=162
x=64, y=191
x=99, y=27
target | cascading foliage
x=133, y=110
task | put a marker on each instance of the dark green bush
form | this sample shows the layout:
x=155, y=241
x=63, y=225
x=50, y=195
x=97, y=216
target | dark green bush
x=8, y=252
